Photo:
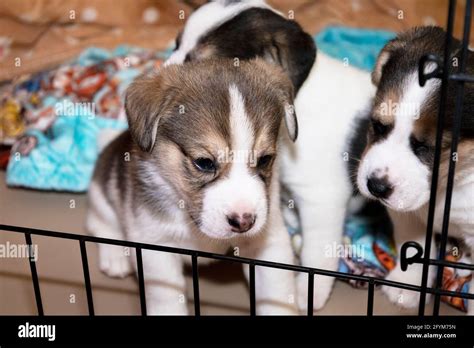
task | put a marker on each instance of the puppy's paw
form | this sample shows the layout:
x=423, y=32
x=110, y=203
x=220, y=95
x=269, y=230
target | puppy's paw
x=113, y=261
x=322, y=289
x=402, y=297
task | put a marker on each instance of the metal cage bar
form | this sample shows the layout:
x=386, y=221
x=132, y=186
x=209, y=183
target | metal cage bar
x=370, y=298
x=454, y=146
x=460, y=78
x=310, y=293
x=195, y=254
x=252, y=288
x=197, y=301
x=34, y=275
x=87, y=279
x=437, y=158
x=141, y=280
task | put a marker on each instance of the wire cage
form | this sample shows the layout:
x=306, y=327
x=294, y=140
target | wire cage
x=422, y=255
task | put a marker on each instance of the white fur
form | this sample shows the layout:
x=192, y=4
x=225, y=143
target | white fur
x=241, y=192
x=314, y=168
x=408, y=176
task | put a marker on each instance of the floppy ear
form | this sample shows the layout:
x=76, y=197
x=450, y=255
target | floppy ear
x=147, y=100
x=293, y=49
x=384, y=57
x=280, y=82
x=291, y=121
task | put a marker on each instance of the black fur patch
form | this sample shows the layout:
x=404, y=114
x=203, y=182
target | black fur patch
x=262, y=33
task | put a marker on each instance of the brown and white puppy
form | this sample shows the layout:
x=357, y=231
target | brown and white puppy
x=197, y=170
x=397, y=163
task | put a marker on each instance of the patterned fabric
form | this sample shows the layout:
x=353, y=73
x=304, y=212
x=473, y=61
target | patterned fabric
x=56, y=117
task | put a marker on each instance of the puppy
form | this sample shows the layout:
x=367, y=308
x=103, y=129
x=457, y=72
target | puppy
x=197, y=170
x=397, y=162
x=332, y=99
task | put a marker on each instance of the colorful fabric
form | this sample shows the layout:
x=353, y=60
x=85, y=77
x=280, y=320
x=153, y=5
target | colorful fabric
x=59, y=115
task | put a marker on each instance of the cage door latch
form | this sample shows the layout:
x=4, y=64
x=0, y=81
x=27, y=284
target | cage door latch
x=416, y=258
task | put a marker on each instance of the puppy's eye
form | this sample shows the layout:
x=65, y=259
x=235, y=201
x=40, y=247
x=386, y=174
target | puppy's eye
x=379, y=128
x=264, y=161
x=420, y=148
x=205, y=165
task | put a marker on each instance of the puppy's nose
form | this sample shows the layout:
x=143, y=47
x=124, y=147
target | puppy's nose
x=379, y=187
x=241, y=222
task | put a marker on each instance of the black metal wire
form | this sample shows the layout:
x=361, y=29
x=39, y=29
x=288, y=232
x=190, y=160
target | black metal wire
x=370, y=298
x=454, y=146
x=197, y=301
x=87, y=279
x=310, y=293
x=34, y=275
x=437, y=157
x=195, y=254
x=141, y=281
x=462, y=77
x=252, y=288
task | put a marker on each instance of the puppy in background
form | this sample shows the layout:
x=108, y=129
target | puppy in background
x=397, y=162
x=197, y=169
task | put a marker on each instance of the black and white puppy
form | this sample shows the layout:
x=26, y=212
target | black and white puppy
x=196, y=170
x=397, y=163
x=331, y=96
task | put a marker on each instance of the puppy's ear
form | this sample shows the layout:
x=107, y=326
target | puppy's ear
x=382, y=59
x=279, y=81
x=384, y=56
x=291, y=121
x=288, y=97
x=147, y=100
x=292, y=49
